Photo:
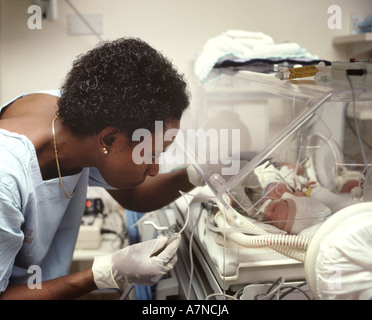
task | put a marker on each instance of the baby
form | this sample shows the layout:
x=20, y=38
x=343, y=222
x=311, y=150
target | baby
x=287, y=203
x=292, y=210
x=281, y=196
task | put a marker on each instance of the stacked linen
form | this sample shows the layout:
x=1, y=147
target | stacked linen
x=239, y=46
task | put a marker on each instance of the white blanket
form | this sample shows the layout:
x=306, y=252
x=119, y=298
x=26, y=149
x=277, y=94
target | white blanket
x=238, y=44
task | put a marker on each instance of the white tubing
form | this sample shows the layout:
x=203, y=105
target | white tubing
x=289, y=245
x=240, y=220
x=292, y=253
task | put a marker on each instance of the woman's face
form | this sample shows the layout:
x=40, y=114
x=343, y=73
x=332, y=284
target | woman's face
x=128, y=162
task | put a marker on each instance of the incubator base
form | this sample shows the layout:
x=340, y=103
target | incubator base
x=234, y=265
x=240, y=266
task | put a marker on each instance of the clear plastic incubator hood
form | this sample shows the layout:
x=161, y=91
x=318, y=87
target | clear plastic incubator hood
x=286, y=156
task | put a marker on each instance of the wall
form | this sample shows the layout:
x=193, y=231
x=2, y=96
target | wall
x=39, y=59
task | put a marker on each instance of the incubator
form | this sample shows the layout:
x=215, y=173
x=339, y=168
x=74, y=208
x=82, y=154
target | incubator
x=303, y=157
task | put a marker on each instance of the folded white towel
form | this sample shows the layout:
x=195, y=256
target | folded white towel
x=244, y=45
x=248, y=38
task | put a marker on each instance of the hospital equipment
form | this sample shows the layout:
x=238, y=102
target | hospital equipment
x=89, y=236
x=299, y=143
x=362, y=70
x=294, y=73
x=101, y=217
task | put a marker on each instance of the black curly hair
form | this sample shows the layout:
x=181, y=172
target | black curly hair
x=124, y=83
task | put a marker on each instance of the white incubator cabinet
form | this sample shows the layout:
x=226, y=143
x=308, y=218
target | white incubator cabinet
x=286, y=166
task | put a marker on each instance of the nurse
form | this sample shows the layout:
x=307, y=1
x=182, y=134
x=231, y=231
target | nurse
x=54, y=144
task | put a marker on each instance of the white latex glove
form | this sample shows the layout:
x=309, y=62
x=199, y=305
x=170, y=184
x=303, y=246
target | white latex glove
x=142, y=263
x=194, y=176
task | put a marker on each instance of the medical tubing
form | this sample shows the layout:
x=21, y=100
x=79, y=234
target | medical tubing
x=190, y=253
x=290, y=245
x=274, y=289
x=261, y=241
x=187, y=213
x=285, y=247
x=292, y=253
x=239, y=219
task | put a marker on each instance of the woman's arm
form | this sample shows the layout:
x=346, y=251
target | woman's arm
x=64, y=288
x=155, y=192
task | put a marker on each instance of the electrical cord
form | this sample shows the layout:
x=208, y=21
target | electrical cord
x=119, y=234
x=220, y=295
x=279, y=290
x=108, y=231
x=293, y=288
x=187, y=213
x=274, y=289
x=279, y=285
x=347, y=120
x=358, y=72
x=190, y=253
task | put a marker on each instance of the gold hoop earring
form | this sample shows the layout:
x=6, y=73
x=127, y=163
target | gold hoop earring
x=104, y=150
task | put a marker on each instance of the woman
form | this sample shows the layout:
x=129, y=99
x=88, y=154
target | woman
x=54, y=144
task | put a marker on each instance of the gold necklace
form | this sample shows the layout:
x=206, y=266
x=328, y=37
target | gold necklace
x=57, y=161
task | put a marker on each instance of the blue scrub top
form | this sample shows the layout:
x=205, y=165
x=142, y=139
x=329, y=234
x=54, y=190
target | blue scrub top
x=38, y=223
